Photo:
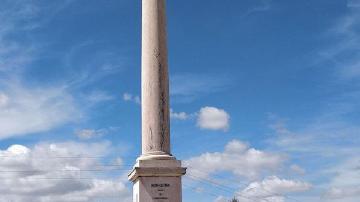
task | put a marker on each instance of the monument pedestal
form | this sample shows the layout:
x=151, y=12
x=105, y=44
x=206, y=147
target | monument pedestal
x=157, y=180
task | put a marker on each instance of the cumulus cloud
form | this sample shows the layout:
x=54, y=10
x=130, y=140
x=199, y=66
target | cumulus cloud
x=212, y=118
x=56, y=172
x=237, y=158
x=131, y=98
x=272, y=189
x=179, y=115
x=26, y=110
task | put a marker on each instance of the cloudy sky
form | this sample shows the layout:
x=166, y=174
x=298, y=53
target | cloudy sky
x=264, y=99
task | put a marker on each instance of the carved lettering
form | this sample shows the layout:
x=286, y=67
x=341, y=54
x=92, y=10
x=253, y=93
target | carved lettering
x=160, y=185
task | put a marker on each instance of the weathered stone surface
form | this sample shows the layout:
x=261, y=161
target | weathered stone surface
x=155, y=80
x=157, y=168
x=163, y=189
x=157, y=174
x=157, y=181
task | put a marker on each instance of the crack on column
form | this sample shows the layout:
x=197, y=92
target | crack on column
x=151, y=137
x=162, y=126
x=162, y=103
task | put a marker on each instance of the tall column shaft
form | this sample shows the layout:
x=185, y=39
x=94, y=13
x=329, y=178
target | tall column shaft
x=155, y=80
x=156, y=174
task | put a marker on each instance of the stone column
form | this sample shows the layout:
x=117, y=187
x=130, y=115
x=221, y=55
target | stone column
x=156, y=174
x=154, y=81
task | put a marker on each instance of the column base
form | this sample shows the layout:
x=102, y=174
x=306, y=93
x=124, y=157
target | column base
x=157, y=180
x=156, y=156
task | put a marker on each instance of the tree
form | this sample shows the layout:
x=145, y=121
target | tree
x=234, y=200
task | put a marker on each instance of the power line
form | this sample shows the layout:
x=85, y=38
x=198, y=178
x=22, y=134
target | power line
x=222, y=187
x=264, y=190
x=203, y=191
x=234, y=190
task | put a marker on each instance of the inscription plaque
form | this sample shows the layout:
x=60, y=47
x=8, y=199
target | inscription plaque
x=160, y=190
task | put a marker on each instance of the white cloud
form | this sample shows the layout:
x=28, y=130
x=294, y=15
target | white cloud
x=297, y=169
x=99, y=96
x=221, y=199
x=343, y=193
x=272, y=189
x=343, y=52
x=90, y=133
x=279, y=125
x=346, y=173
x=329, y=138
x=212, y=118
x=179, y=115
x=31, y=110
x=51, y=172
x=4, y=100
x=127, y=97
x=131, y=98
x=345, y=184
x=237, y=158
x=264, y=5
x=25, y=108
x=321, y=135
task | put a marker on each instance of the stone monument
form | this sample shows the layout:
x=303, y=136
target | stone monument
x=156, y=174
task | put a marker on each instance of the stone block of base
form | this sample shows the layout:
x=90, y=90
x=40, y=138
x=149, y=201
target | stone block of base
x=157, y=180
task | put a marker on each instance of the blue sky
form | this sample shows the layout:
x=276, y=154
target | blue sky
x=264, y=97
